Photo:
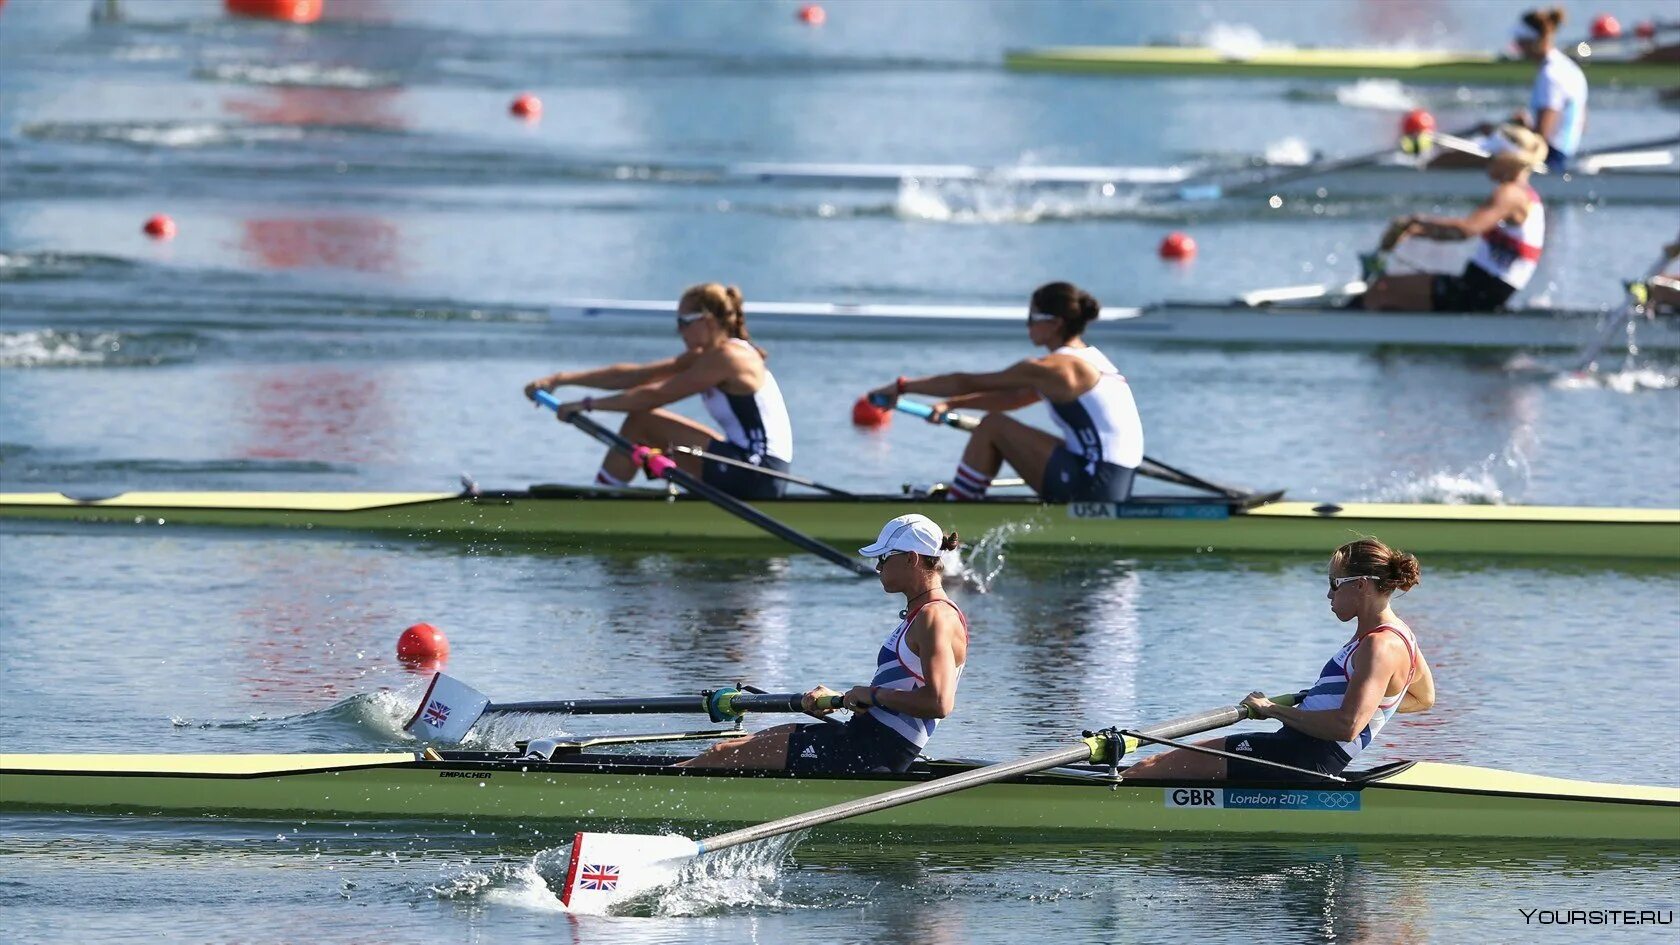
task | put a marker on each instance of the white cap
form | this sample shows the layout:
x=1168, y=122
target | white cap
x=911, y=532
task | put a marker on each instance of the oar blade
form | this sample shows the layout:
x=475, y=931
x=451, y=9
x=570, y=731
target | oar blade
x=447, y=711
x=610, y=868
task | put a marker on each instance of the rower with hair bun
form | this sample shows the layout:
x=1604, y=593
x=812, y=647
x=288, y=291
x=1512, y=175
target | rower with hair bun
x=728, y=372
x=1379, y=672
x=1101, y=445
x=915, y=683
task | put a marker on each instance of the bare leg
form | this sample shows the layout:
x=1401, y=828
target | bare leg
x=659, y=428
x=1180, y=765
x=1665, y=292
x=1449, y=158
x=766, y=750
x=1407, y=293
x=1000, y=438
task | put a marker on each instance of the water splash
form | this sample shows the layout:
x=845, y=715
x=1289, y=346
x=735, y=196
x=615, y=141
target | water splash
x=298, y=74
x=379, y=714
x=1386, y=95
x=47, y=347
x=1493, y=481
x=980, y=564
x=164, y=134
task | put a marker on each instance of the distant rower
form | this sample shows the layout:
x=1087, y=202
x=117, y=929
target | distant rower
x=726, y=370
x=1101, y=445
x=915, y=683
x=1510, y=226
x=1379, y=672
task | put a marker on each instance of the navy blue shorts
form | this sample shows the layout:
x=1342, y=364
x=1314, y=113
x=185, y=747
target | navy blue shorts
x=861, y=746
x=1556, y=161
x=1284, y=746
x=1066, y=479
x=1474, y=290
x=738, y=482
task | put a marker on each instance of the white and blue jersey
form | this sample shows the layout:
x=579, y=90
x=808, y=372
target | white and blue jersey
x=1101, y=425
x=1562, y=87
x=757, y=422
x=1327, y=693
x=898, y=667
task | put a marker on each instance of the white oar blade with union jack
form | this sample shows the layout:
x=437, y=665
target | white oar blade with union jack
x=447, y=711
x=609, y=868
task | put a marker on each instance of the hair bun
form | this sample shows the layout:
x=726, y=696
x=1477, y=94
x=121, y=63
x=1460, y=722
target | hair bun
x=1404, y=572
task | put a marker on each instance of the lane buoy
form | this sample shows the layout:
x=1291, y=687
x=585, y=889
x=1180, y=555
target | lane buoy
x=1417, y=121
x=866, y=414
x=286, y=11
x=422, y=643
x=159, y=227
x=1605, y=26
x=812, y=15
x=1177, y=246
x=526, y=106
x=1645, y=29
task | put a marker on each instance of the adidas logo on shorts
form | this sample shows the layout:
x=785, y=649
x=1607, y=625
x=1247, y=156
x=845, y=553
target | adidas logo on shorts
x=809, y=752
x=1243, y=746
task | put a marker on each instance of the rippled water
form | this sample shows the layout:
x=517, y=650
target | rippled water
x=369, y=251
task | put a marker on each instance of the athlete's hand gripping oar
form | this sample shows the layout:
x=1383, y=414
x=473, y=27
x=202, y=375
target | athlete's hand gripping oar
x=1150, y=467
x=657, y=464
x=450, y=707
x=1636, y=304
x=607, y=868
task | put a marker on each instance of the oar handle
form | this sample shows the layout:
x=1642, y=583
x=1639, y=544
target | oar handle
x=925, y=411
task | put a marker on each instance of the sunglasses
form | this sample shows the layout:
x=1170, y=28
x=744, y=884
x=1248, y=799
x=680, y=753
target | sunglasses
x=685, y=320
x=1338, y=582
x=882, y=560
x=1034, y=316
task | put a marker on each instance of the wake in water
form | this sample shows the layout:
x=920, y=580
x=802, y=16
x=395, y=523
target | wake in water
x=1491, y=482
x=47, y=347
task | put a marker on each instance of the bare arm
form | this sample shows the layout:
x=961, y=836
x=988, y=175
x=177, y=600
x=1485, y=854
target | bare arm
x=1546, y=123
x=1420, y=695
x=990, y=400
x=1375, y=662
x=936, y=637
x=1504, y=202
x=613, y=376
x=705, y=371
x=1051, y=376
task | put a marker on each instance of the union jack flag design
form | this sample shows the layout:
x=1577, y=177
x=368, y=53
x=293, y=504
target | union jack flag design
x=436, y=714
x=598, y=877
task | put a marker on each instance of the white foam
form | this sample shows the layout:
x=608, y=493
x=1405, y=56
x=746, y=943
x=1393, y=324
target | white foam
x=310, y=74
x=1386, y=95
x=1235, y=41
x=48, y=348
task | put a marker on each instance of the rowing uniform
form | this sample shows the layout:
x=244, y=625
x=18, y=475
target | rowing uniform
x=1292, y=747
x=1561, y=86
x=756, y=430
x=877, y=739
x=1102, y=438
x=1503, y=263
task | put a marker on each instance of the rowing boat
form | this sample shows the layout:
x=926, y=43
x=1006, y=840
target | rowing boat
x=1313, y=322
x=1654, y=180
x=645, y=519
x=1416, y=66
x=1403, y=799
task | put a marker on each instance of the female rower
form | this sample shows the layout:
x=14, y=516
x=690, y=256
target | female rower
x=1379, y=672
x=1101, y=445
x=915, y=682
x=727, y=370
x=1557, y=106
x=1511, y=224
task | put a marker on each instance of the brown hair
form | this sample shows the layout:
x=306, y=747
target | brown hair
x=722, y=302
x=950, y=543
x=1545, y=21
x=1394, y=570
x=1068, y=302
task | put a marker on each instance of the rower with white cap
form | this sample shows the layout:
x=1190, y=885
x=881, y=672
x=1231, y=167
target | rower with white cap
x=915, y=681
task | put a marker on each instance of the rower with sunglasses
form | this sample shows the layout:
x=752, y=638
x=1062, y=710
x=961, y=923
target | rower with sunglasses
x=915, y=681
x=1101, y=446
x=722, y=365
x=1379, y=672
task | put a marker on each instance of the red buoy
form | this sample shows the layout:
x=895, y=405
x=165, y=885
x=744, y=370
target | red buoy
x=866, y=414
x=159, y=227
x=422, y=643
x=286, y=11
x=1645, y=29
x=1605, y=26
x=812, y=15
x=1417, y=122
x=1179, y=246
x=526, y=106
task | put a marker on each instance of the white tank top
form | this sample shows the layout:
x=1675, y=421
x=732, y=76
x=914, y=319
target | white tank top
x=898, y=667
x=1332, y=685
x=1102, y=424
x=1561, y=85
x=756, y=422
x=1511, y=251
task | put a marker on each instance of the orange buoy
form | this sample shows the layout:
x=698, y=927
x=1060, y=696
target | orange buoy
x=159, y=227
x=1178, y=246
x=422, y=643
x=866, y=414
x=526, y=106
x=812, y=15
x=1645, y=29
x=1417, y=122
x=286, y=11
x=1605, y=26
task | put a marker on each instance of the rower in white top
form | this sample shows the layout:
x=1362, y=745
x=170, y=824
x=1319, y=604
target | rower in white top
x=1101, y=445
x=729, y=373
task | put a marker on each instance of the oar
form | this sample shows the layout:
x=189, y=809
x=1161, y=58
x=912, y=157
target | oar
x=607, y=868
x=760, y=470
x=450, y=707
x=1214, y=190
x=663, y=467
x=1617, y=325
x=1150, y=467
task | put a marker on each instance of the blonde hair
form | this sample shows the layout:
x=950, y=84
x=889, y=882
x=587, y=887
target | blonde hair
x=722, y=302
x=1394, y=570
x=1526, y=144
